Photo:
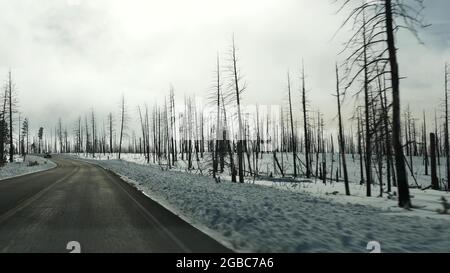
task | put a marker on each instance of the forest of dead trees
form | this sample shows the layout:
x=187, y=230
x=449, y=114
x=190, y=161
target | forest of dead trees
x=224, y=137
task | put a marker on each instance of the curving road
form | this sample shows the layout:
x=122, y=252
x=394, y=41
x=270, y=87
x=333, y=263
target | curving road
x=81, y=202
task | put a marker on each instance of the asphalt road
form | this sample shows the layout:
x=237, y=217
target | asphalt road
x=81, y=202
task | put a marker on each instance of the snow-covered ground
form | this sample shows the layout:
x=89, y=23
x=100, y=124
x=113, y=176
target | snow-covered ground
x=426, y=202
x=252, y=217
x=20, y=167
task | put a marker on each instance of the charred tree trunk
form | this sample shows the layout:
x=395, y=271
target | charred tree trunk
x=305, y=126
x=425, y=146
x=341, y=135
x=368, y=147
x=294, y=148
x=361, y=164
x=446, y=144
x=147, y=130
x=434, y=179
x=93, y=134
x=238, y=104
x=122, y=121
x=404, y=199
x=217, y=143
x=387, y=136
x=110, y=134
x=11, y=146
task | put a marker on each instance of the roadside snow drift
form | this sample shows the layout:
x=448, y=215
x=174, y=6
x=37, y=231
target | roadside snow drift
x=248, y=217
x=20, y=167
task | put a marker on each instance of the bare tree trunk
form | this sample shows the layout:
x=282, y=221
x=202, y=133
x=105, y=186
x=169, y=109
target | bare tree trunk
x=387, y=136
x=87, y=134
x=159, y=136
x=147, y=131
x=93, y=134
x=238, y=104
x=446, y=144
x=217, y=146
x=11, y=146
x=258, y=142
x=122, y=121
x=438, y=154
x=229, y=148
x=167, y=137
x=110, y=134
x=172, y=124
x=3, y=129
x=305, y=126
x=410, y=141
x=368, y=146
x=434, y=179
x=425, y=146
x=324, y=157
x=341, y=135
x=332, y=159
x=361, y=168
x=189, y=131
x=143, y=128
x=155, y=134
x=294, y=148
x=404, y=199
x=21, y=144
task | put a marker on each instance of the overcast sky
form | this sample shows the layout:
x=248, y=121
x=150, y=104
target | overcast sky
x=69, y=56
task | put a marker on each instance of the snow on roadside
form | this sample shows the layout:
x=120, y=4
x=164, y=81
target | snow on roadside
x=426, y=202
x=255, y=218
x=20, y=167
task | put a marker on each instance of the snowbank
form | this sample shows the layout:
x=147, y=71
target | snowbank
x=426, y=202
x=255, y=218
x=20, y=167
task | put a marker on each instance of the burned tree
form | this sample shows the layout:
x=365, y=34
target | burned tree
x=424, y=144
x=216, y=100
x=25, y=138
x=3, y=129
x=237, y=88
x=94, y=128
x=341, y=134
x=434, y=178
x=386, y=130
x=305, y=125
x=144, y=132
x=60, y=135
x=11, y=106
x=40, y=136
x=446, y=140
x=110, y=129
x=172, y=125
x=123, y=119
x=291, y=118
x=380, y=29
